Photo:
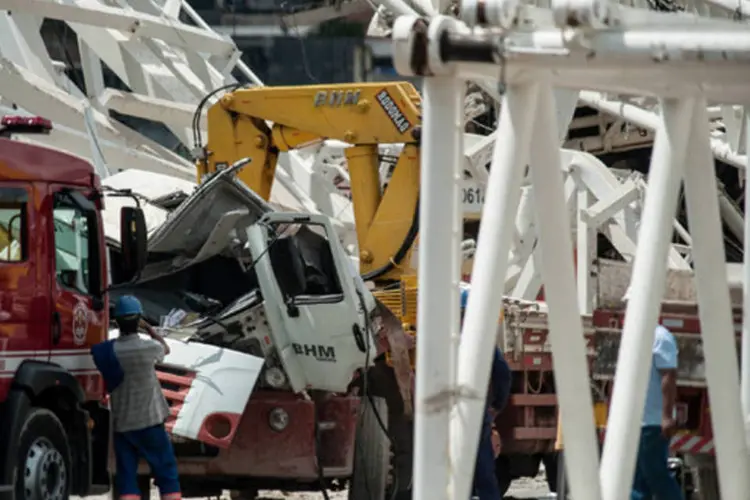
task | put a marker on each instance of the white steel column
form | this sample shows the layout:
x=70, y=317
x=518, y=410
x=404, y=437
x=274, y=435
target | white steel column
x=437, y=300
x=490, y=266
x=647, y=289
x=717, y=326
x=745, y=362
x=565, y=328
x=586, y=236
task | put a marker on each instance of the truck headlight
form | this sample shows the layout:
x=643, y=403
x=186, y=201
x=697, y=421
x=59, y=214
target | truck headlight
x=278, y=419
x=275, y=377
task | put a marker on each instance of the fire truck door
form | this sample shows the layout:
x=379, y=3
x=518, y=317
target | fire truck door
x=78, y=315
x=21, y=311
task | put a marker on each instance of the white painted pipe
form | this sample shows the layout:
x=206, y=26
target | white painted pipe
x=717, y=325
x=398, y=7
x=740, y=6
x=745, y=360
x=565, y=328
x=510, y=155
x=647, y=285
x=646, y=119
x=438, y=299
x=731, y=215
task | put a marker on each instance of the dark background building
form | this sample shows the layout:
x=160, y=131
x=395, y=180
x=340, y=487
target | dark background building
x=292, y=42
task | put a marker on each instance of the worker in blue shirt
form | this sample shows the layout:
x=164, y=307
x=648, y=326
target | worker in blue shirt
x=653, y=479
x=485, y=486
x=139, y=409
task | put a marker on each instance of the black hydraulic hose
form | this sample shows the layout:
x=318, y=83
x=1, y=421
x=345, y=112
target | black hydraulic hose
x=321, y=478
x=197, y=139
x=402, y=250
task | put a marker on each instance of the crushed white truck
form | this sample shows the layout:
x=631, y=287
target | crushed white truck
x=277, y=376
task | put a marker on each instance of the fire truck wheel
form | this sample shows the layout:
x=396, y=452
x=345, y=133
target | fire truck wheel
x=371, y=453
x=43, y=469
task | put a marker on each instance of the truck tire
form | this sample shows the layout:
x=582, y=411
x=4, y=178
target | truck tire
x=554, y=471
x=371, y=453
x=708, y=483
x=503, y=473
x=43, y=468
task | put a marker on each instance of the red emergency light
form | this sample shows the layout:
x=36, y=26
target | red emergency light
x=14, y=123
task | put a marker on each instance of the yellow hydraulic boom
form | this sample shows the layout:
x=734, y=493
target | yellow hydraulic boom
x=363, y=115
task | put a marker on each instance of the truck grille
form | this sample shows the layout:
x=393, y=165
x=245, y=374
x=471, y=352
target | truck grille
x=175, y=384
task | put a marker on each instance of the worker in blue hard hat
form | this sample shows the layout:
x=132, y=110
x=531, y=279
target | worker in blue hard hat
x=138, y=406
x=485, y=486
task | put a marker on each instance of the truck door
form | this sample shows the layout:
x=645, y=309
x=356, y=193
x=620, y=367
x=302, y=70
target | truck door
x=23, y=290
x=311, y=301
x=78, y=305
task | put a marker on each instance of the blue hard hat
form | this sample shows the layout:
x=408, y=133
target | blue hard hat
x=128, y=305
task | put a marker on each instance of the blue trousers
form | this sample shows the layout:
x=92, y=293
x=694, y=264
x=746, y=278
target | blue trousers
x=485, y=480
x=652, y=477
x=153, y=445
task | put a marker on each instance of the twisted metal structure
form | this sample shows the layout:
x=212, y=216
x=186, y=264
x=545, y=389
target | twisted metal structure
x=528, y=51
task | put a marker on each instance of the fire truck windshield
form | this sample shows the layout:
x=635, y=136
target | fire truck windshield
x=13, y=222
x=71, y=247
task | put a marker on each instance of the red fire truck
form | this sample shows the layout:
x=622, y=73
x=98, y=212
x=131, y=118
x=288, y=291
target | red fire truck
x=53, y=308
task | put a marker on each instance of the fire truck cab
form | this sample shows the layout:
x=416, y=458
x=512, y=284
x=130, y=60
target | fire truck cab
x=53, y=308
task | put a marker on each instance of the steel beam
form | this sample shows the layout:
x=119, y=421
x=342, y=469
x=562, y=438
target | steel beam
x=438, y=298
x=648, y=282
x=39, y=97
x=490, y=268
x=714, y=309
x=133, y=23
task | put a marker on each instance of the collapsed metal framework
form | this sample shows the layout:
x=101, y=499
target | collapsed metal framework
x=167, y=57
x=685, y=61
x=170, y=59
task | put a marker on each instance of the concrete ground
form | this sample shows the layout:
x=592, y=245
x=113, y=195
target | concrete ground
x=528, y=488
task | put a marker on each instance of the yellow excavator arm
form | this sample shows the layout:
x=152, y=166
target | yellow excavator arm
x=363, y=115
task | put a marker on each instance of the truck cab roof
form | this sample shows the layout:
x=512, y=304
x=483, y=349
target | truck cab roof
x=26, y=162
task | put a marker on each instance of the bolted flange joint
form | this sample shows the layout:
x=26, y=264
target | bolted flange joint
x=409, y=43
x=419, y=45
x=491, y=13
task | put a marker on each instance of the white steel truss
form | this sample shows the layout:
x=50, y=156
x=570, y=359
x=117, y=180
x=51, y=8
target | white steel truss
x=168, y=58
x=686, y=62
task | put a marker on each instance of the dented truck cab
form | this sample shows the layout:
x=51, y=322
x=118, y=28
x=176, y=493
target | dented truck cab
x=314, y=306
x=276, y=324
